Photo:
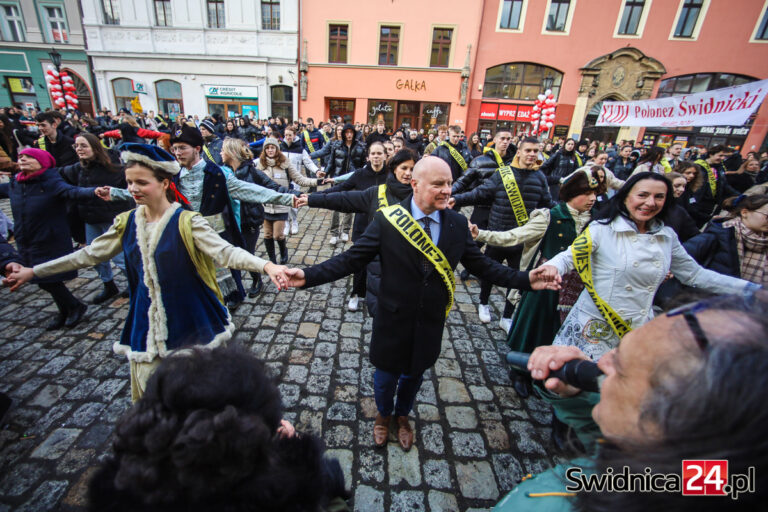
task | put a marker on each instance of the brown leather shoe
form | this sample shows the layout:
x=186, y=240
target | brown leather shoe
x=404, y=433
x=381, y=430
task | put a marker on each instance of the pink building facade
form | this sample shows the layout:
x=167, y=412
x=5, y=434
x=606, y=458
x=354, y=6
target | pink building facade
x=402, y=61
x=481, y=64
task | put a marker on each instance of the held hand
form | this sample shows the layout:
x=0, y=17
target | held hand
x=295, y=277
x=104, y=193
x=286, y=430
x=302, y=201
x=19, y=277
x=329, y=181
x=553, y=357
x=277, y=275
x=296, y=202
x=474, y=230
x=545, y=277
x=320, y=174
x=451, y=202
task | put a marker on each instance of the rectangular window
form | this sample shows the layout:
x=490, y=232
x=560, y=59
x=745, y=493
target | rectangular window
x=630, y=18
x=12, y=23
x=510, y=14
x=389, y=42
x=215, y=13
x=762, y=30
x=56, y=24
x=163, y=13
x=441, y=47
x=111, y=13
x=558, y=15
x=337, y=43
x=270, y=14
x=688, y=18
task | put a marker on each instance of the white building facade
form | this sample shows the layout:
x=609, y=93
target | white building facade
x=195, y=57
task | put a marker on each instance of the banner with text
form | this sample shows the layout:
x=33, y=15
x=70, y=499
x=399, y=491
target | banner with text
x=728, y=106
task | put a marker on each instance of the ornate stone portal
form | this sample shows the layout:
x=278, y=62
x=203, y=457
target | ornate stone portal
x=622, y=75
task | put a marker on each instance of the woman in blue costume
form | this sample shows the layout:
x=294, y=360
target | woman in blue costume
x=175, y=301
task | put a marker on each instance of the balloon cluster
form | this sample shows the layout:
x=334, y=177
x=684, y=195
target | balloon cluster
x=544, y=112
x=61, y=87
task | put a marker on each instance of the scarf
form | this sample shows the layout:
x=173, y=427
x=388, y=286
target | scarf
x=21, y=177
x=399, y=190
x=752, y=249
x=579, y=218
x=271, y=162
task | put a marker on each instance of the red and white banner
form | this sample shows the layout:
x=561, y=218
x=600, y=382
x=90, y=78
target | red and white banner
x=524, y=113
x=488, y=110
x=728, y=106
x=507, y=112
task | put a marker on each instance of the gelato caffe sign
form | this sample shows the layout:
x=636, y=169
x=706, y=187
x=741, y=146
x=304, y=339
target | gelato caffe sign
x=728, y=106
x=231, y=91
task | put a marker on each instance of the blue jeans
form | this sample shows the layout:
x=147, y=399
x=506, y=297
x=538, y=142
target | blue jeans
x=384, y=386
x=104, y=269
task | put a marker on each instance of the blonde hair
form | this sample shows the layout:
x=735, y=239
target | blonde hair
x=131, y=121
x=237, y=149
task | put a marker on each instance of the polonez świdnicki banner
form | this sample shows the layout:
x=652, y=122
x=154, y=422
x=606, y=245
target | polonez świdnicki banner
x=728, y=106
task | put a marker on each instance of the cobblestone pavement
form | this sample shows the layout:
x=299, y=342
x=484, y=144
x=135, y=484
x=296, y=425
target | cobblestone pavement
x=474, y=437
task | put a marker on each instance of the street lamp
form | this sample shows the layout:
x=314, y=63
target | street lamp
x=56, y=59
x=547, y=82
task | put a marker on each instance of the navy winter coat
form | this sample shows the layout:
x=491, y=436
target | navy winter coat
x=715, y=249
x=40, y=218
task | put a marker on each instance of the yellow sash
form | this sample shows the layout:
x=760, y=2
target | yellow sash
x=582, y=259
x=711, y=176
x=208, y=154
x=510, y=185
x=309, y=142
x=41, y=142
x=383, y=203
x=578, y=159
x=665, y=164
x=412, y=231
x=456, y=155
x=325, y=137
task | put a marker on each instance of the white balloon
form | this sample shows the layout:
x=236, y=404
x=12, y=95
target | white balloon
x=541, y=97
x=547, y=92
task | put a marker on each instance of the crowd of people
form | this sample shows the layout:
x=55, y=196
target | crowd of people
x=592, y=240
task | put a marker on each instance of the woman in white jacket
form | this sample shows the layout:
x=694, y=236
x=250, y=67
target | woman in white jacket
x=278, y=167
x=627, y=253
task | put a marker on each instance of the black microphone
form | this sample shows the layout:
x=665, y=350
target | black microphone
x=579, y=373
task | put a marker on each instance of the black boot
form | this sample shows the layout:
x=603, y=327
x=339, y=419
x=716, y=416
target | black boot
x=110, y=290
x=57, y=322
x=269, y=244
x=283, y=252
x=521, y=383
x=256, y=286
x=75, y=315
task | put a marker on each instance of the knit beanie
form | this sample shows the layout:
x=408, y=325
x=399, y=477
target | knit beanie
x=45, y=158
x=208, y=125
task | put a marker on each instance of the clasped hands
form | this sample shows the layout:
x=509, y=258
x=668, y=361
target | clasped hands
x=284, y=277
x=16, y=275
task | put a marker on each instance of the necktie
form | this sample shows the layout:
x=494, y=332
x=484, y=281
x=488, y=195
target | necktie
x=425, y=264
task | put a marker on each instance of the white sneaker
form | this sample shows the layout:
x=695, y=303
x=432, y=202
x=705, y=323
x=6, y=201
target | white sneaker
x=505, y=324
x=344, y=237
x=484, y=312
x=286, y=229
x=353, y=300
x=294, y=228
x=333, y=240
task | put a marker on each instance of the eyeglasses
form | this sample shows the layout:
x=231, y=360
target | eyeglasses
x=80, y=146
x=764, y=214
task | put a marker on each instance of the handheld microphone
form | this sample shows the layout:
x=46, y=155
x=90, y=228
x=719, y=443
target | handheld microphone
x=579, y=373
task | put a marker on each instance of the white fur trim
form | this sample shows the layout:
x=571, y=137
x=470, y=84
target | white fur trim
x=169, y=167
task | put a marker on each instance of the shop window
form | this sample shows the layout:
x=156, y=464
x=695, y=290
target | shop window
x=761, y=34
x=389, y=42
x=123, y=92
x=434, y=114
x=337, y=44
x=511, y=14
x=270, y=14
x=700, y=82
x=215, y=13
x=521, y=81
x=557, y=18
x=342, y=107
x=111, y=12
x=282, y=101
x=169, y=99
x=630, y=17
x=381, y=109
x=163, y=13
x=441, y=47
x=12, y=28
x=689, y=17
x=55, y=23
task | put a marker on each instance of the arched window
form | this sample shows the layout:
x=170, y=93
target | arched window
x=521, y=81
x=123, y=91
x=169, y=100
x=282, y=101
x=700, y=82
x=83, y=92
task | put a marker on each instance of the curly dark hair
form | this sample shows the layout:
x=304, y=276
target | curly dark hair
x=203, y=437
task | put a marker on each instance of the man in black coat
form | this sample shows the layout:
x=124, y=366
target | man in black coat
x=459, y=158
x=408, y=328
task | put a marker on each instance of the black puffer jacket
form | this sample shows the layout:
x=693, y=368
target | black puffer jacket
x=365, y=203
x=214, y=148
x=252, y=214
x=444, y=153
x=343, y=158
x=558, y=166
x=480, y=169
x=533, y=188
x=95, y=175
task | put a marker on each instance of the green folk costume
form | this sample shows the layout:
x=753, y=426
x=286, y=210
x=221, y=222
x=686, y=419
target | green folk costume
x=537, y=319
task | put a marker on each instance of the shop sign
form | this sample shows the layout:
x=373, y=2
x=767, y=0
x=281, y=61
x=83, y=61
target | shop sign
x=411, y=85
x=488, y=111
x=507, y=112
x=434, y=112
x=381, y=108
x=561, y=130
x=22, y=85
x=231, y=91
x=724, y=130
x=524, y=113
